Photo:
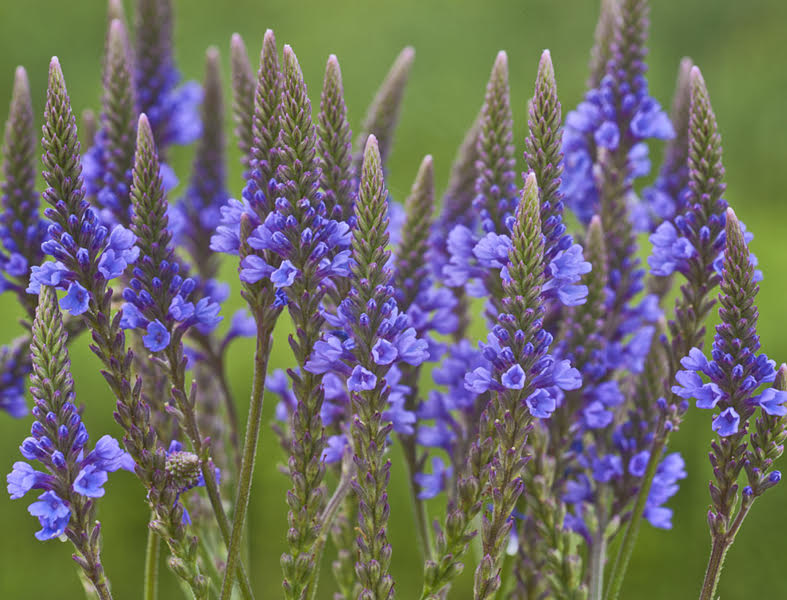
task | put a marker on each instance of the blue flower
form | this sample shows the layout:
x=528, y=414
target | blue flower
x=639, y=463
x=384, y=352
x=772, y=402
x=361, y=380
x=284, y=275
x=334, y=449
x=53, y=513
x=89, y=482
x=76, y=300
x=726, y=423
x=541, y=404
x=157, y=337
x=433, y=483
x=513, y=378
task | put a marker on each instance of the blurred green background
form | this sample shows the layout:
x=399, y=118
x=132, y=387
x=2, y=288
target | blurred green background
x=736, y=44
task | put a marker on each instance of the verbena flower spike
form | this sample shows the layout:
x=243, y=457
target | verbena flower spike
x=536, y=442
x=73, y=478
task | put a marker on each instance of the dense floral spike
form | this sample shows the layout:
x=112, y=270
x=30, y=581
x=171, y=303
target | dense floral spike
x=86, y=256
x=667, y=197
x=379, y=336
x=109, y=161
x=86, y=277
x=430, y=309
x=335, y=145
x=544, y=159
x=476, y=263
x=691, y=246
x=242, y=97
x=310, y=249
x=737, y=375
x=73, y=480
x=457, y=209
x=367, y=383
x=616, y=118
x=525, y=380
x=494, y=186
x=21, y=229
x=601, y=52
x=196, y=214
x=383, y=112
x=173, y=111
x=259, y=192
x=157, y=301
x=698, y=235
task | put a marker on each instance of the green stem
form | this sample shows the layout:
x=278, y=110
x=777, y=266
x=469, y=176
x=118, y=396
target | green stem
x=326, y=519
x=424, y=537
x=719, y=548
x=598, y=558
x=152, y=553
x=186, y=406
x=626, y=548
x=249, y=455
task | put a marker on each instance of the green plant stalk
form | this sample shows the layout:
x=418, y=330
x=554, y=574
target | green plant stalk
x=718, y=552
x=626, y=548
x=186, y=407
x=251, y=440
x=598, y=558
x=423, y=536
x=326, y=520
x=152, y=554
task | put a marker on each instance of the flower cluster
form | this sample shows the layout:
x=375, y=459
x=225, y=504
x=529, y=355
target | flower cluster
x=736, y=371
x=540, y=427
x=58, y=439
x=157, y=299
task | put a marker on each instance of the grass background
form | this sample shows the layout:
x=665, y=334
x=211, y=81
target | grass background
x=735, y=43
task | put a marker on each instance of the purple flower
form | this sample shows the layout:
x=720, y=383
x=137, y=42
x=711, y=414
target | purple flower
x=639, y=463
x=89, y=482
x=24, y=478
x=76, y=300
x=384, y=352
x=284, y=275
x=334, y=448
x=53, y=513
x=434, y=483
x=157, y=337
x=541, y=404
x=513, y=378
x=772, y=402
x=361, y=380
x=726, y=423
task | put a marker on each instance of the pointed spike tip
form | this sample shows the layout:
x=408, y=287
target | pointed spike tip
x=269, y=38
x=143, y=128
x=696, y=77
x=733, y=230
x=531, y=185
x=117, y=35
x=781, y=378
x=115, y=11
x=371, y=146
x=212, y=56
x=20, y=78
x=546, y=70
x=55, y=70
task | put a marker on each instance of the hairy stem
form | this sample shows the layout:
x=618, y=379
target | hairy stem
x=245, y=476
x=152, y=553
